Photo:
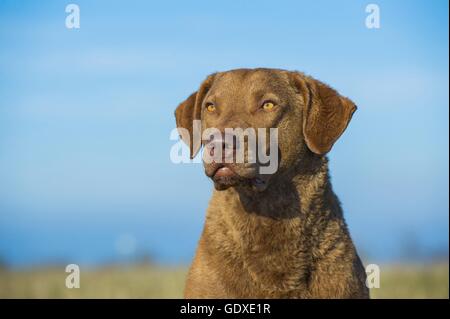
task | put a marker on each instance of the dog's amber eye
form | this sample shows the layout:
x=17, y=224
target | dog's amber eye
x=268, y=106
x=210, y=107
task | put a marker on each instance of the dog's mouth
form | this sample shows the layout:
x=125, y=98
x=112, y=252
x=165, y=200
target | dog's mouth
x=223, y=171
x=224, y=176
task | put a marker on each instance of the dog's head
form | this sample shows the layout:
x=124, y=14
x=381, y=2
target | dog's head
x=235, y=111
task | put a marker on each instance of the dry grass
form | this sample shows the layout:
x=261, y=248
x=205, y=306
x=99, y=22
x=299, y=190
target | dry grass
x=141, y=281
x=413, y=281
x=110, y=282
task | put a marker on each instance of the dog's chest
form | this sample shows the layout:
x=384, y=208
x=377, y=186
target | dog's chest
x=260, y=253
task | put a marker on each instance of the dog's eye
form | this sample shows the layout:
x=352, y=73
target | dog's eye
x=268, y=105
x=210, y=107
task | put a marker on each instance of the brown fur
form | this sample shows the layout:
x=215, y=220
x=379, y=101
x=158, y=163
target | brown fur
x=289, y=240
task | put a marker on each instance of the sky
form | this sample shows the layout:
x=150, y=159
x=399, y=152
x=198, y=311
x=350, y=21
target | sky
x=86, y=115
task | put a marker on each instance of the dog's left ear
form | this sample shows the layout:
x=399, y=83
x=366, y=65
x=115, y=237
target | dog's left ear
x=190, y=110
x=326, y=114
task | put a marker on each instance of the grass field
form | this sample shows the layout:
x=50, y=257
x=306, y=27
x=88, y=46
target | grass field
x=143, y=281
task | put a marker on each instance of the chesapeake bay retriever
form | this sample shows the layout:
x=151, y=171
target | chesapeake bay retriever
x=281, y=235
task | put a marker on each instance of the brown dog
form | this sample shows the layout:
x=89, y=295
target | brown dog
x=281, y=235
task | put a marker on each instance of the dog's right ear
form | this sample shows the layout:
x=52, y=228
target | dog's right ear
x=189, y=111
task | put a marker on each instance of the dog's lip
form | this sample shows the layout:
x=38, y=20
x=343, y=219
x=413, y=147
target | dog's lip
x=212, y=169
x=223, y=171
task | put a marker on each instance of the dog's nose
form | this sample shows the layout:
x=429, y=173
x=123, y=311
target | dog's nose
x=226, y=143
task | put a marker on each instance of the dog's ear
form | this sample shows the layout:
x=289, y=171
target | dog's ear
x=326, y=114
x=190, y=110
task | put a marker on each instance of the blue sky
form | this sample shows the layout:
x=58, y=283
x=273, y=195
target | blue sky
x=85, y=117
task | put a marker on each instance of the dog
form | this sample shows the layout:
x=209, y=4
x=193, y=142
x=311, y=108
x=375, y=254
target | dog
x=279, y=235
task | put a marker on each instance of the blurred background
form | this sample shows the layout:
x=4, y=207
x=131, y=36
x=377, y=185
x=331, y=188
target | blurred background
x=85, y=118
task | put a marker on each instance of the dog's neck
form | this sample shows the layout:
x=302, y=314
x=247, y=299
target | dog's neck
x=260, y=229
x=291, y=193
